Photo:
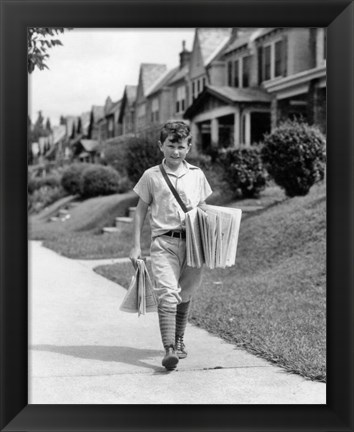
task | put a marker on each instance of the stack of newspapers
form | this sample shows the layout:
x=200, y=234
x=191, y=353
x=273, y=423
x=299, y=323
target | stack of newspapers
x=140, y=296
x=212, y=236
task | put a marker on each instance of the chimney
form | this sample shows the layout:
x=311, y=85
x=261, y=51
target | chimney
x=234, y=34
x=184, y=55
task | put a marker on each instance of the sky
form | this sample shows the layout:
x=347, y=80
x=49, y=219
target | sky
x=93, y=64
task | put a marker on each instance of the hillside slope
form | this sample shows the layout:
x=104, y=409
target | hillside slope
x=274, y=300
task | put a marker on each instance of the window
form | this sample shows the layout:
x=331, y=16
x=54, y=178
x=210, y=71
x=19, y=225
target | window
x=201, y=84
x=181, y=97
x=246, y=62
x=236, y=74
x=155, y=110
x=278, y=59
x=193, y=90
x=229, y=73
x=267, y=62
x=274, y=62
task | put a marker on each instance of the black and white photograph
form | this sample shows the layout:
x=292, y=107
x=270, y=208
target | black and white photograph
x=177, y=216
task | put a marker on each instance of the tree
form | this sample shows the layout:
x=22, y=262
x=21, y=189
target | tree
x=38, y=128
x=48, y=126
x=39, y=39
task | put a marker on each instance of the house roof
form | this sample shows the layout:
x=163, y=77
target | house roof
x=89, y=145
x=229, y=95
x=182, y=73
x=98, y=112
x=85, y=121
x=262, y=32
x=129, y=97
x=234, y=94
x=162, y=81
x=130, y=91
x=114, y=108
x=59, y=133
x=150, y=73
x=211, y=41
x=71, y=121
x=242, y=40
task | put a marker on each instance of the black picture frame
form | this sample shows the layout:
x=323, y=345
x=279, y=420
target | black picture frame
x=16, y=16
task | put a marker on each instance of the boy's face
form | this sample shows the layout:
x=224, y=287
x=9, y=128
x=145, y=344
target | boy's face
x=174, y=151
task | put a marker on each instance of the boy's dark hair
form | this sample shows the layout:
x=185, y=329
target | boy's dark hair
x=178, y=129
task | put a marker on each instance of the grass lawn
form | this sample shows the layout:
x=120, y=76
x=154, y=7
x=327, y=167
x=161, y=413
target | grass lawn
x=81, y=236
x=273, y=302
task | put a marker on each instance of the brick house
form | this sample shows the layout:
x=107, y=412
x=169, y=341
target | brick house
x=301, y=91
x=149, y=75
x=96, y=115
x=112, y=126
x=169, y=97
x=126, y=117
x=204, y=68
x=264, y=76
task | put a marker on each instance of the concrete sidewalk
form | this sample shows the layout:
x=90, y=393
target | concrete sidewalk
x=83, y=350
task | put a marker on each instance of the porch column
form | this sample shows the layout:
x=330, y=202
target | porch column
x=215, y=132
x=195, y=138
x=274, y=113
x=248, y=128
x=237, y=128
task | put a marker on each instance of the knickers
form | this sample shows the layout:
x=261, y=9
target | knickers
x=174, y=282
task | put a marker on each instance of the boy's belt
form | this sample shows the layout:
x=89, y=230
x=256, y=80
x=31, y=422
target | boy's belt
x=178, y=234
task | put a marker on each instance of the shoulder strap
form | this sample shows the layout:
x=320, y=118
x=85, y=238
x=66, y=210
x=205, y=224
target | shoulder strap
x=173, y=190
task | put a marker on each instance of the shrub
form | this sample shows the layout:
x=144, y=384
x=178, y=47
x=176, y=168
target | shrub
x=99, y=180
x=43, y=197
x=72, y=178
x=142, y=153
x=294, y=155
x=36, y=183
x=200, y=160
x=243, y=171
x=115, y=156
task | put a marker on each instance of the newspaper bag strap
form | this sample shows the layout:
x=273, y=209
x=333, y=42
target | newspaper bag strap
x=173, y=190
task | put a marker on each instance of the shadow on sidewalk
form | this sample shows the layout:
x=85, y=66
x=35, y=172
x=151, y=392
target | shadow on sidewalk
x=119, y=354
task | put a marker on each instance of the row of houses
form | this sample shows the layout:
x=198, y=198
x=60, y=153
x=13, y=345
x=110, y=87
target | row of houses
x=234, y=85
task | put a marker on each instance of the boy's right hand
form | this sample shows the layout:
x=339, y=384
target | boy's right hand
x=134, y=255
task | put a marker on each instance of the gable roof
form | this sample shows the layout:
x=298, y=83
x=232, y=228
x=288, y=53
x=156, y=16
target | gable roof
x=162, y=81
x=89, y=145
x=182, y=73
x=234, y=94
x=128, y=99
x=130, y=92
x=114, y=108
x=229, y=95
x=244, y=39
x=97, y=112
x=149, y=74
x=59, y=133
x=85, y=122
x=211, y=41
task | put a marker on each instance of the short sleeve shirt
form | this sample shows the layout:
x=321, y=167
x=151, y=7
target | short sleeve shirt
x=166, y=214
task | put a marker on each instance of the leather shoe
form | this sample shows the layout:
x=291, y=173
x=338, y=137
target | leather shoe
x=170, y=360
x=180, y=347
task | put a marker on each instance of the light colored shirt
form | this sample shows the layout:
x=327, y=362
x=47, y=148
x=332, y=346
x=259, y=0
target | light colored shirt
x=166, y=214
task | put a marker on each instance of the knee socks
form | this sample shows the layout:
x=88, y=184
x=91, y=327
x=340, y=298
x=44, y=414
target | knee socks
x=182, y=317
x=167, y=322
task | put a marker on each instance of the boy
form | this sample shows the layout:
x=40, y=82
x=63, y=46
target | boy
x=174, y=282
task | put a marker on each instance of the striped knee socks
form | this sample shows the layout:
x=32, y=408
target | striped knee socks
x=182, y=317
x=167, y=322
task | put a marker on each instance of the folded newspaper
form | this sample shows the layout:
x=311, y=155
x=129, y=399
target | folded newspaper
x=140, y=296
x=212, y=236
